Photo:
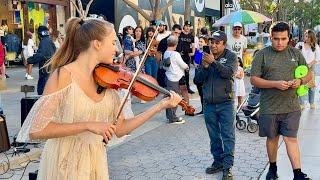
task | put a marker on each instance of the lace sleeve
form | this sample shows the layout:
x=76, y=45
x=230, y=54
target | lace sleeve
x=55, y=107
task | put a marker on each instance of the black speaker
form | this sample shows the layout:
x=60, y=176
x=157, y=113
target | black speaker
x=26, y=105
x=33, y=175
x=4, y=137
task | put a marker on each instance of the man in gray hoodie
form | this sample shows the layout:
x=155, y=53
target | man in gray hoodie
x=216, y=75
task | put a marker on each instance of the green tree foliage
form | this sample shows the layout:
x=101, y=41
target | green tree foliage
x=305, y=13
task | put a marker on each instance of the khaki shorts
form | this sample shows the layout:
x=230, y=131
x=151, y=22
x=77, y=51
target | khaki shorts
x=272, y=125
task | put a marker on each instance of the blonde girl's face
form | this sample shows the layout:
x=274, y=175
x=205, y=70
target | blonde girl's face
x=108, y=48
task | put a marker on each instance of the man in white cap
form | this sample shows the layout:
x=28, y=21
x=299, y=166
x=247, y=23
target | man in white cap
x=163, y=33
x=237, y=42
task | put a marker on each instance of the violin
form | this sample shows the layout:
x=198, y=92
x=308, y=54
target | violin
x=145, y=87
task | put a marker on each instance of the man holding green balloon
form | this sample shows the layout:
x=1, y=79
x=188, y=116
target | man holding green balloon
x=274, y=71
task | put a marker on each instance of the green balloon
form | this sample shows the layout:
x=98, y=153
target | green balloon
x=302, y=90
x=301, y=71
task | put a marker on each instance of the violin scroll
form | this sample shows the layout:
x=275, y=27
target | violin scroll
x=187, y=108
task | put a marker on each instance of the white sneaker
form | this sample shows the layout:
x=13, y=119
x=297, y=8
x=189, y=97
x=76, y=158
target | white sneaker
x=29, y=77
x=26, y=75
x=179, y=121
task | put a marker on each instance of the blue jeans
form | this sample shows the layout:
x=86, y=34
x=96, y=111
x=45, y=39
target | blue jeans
x=219, y=120
x=41, y=84
x=151, y=66
x=310, y=95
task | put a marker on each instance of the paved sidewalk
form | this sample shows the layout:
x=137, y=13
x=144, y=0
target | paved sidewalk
x=183, y=152
x=158, y=150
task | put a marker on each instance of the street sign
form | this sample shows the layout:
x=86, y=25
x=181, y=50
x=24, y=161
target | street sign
x=228, y=5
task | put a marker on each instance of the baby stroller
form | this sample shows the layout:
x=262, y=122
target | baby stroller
x=249, y=110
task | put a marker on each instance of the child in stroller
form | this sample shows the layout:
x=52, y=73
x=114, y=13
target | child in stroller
x=250, y=109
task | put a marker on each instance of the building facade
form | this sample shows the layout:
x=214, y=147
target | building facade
x=23, y=16
x=121, y=14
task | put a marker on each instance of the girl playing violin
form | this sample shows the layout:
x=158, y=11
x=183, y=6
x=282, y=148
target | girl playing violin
x=71, y=116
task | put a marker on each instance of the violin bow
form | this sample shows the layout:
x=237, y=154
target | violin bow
x=135, y=75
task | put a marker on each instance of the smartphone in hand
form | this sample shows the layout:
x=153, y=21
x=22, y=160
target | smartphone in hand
x=206, y=49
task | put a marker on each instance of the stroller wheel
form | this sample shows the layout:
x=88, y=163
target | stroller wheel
x=252, y=127
x=241, y=124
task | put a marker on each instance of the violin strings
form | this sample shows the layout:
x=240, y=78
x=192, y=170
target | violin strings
x=135, y=76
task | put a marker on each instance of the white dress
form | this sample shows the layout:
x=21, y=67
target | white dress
x=239, y=86
x=77, y=157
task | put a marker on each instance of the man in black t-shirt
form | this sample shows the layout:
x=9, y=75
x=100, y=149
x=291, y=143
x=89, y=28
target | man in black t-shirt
x=187, y=49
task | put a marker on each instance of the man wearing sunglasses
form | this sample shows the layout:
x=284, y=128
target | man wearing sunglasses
x=236, y=41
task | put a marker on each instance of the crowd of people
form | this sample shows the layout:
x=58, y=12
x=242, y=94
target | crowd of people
x=219, y=78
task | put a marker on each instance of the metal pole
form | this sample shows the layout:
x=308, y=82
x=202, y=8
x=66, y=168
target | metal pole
x=222, y=6
x=278, y=11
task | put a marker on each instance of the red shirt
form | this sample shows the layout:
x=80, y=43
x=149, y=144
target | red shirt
x=2, y=54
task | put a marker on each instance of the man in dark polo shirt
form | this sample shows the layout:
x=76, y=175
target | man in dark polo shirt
x=273, y=72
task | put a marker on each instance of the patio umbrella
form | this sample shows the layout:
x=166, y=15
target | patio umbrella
x=243, y=16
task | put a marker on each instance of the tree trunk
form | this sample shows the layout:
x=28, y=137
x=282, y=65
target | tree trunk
x=156, y=13
x=187, y=10
x=138, y=9
x=174, y=20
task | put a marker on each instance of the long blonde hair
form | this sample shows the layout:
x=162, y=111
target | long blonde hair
x=79, y=34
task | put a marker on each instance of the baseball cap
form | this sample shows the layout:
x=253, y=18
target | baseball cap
x=237, y=24
x=43, y=31
x=160, y=22
x=187, y=23
x=219, y=36
x=153, y=23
